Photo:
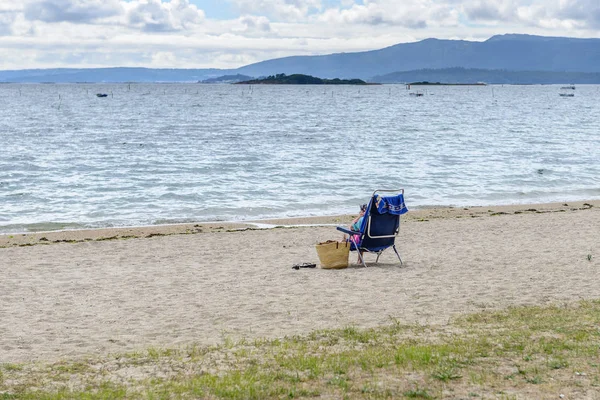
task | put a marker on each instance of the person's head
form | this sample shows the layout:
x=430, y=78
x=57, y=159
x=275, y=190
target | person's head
x=363, y=208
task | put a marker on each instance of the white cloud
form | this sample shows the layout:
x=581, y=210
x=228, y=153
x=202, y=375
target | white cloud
x=575, y=13
x=560, y=15
x=9, y=12
x=162, y=59
x=281, y=9
x=252, y=24
x=157, y=16
x=76, y=11
x=499, y=10
x=412, y=14
x=6, y=21
x=10, y=5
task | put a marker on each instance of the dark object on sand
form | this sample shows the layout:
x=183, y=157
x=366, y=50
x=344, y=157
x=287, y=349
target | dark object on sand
x=304, y=265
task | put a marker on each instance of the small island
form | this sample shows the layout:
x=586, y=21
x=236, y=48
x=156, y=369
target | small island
x=425, y=83
x=299, y=79
x=227, y=79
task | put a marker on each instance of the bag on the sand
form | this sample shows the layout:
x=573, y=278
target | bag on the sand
x=333, y=254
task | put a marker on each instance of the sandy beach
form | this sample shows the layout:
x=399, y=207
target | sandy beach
x=78, y=293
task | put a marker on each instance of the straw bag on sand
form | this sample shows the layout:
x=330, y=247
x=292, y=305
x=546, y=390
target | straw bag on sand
x=333, y=255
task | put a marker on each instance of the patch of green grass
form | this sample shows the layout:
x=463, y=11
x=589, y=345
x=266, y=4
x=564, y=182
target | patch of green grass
x=536, y=380
x=420, y=355
x=527, y=350
x=417, y=394
x=312, y=365
x=72, y=368
x=154, y=353
x=12, y=367
x=557, y=364
x=446, y=374
x=358, y=335
x=339, y=381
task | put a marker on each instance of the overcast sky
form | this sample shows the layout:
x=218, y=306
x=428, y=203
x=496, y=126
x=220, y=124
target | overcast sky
x=232, y=33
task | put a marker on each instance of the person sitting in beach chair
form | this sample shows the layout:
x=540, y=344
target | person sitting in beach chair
x=356, y=222
x=379, y=225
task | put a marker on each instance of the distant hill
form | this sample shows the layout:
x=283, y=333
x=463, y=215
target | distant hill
x=470, y=75
x=299, y=79
x=521, y=54
x=503, y=52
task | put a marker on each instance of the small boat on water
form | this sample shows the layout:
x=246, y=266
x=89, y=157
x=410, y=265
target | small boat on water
x=567, y=91
x=415, y=94
x=101, y=95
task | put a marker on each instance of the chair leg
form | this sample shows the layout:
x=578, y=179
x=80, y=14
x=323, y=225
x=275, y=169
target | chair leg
x=378, y=254
x=394, y=247
x=360, y=254
x=361, y=258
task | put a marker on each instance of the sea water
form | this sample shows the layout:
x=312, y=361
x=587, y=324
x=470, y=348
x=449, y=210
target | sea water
x=169, y=153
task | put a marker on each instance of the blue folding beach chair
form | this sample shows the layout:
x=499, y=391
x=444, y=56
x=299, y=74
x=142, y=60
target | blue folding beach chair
x=380, y=225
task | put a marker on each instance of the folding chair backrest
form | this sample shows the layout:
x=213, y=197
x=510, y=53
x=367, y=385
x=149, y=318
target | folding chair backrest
x=376, y=224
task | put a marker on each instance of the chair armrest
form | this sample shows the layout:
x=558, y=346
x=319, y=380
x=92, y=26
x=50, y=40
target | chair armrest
x=347, y=231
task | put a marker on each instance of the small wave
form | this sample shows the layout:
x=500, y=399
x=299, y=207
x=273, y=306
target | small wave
x=40, y=227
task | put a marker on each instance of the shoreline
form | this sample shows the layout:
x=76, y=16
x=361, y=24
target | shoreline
x=146, y=231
